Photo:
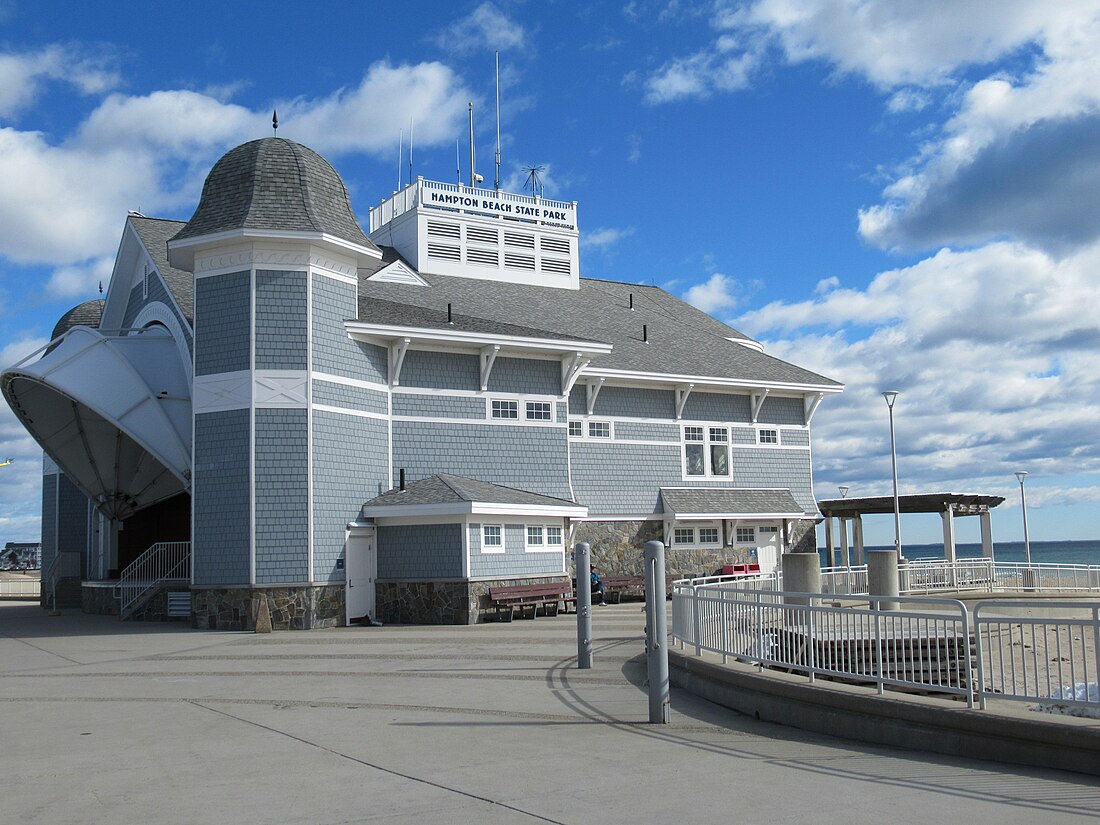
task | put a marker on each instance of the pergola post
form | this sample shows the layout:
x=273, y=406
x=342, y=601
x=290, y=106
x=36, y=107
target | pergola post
x=987, y=535
x=859, y=557
x=948, y=516
x=829, y=550
x=845, y=560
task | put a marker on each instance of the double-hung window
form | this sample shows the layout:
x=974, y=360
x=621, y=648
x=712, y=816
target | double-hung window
x=492, y=538
x=706, y=451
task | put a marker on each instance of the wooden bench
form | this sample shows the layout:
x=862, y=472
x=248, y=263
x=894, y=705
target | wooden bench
x=634, y=585
x=520, y=597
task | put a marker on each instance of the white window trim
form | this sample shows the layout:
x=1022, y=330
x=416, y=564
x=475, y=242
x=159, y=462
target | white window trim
x=739, y=541
x=696, y=540
x=492, y=549
x=778, y=437
x=489, y=402
x=521, y=402
x=706, y=427
x=545, y=547
x=527, y=411
x=585, y=420
x=578, y=422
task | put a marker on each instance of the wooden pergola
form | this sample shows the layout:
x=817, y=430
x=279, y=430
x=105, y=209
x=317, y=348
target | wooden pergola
x=948, y=505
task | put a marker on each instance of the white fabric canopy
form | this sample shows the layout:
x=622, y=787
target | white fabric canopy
x=113, y=412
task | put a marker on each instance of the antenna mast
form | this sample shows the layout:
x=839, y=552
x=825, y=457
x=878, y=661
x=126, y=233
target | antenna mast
x=458, y=162
x=400, y=156
x=496, y=180
x=472, y=173
x=410, y=150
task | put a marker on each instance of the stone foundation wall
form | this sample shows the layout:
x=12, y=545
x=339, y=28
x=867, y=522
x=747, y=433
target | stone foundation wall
x=99, y=601
x=446, y=602
x=617, y=548
x=291, y=608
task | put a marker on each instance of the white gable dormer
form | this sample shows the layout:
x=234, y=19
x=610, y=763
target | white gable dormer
x=398, y=272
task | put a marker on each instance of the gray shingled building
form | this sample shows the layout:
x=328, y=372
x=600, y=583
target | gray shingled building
x=233, y=422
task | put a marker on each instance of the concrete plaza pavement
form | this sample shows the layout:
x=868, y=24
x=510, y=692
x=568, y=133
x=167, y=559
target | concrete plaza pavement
x=105, y=721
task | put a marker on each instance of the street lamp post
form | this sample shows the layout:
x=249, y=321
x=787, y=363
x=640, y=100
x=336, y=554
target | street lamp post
x=1020, y=476
x=843, y=490
x=891, y=396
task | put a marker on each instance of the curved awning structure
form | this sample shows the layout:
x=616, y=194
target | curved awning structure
x=114, y=413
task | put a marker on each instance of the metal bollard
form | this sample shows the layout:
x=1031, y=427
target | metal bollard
x=584, y=605
x=656, y=628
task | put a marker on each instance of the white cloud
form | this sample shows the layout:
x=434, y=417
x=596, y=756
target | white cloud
x=22, y=76
x=716, y=293
x=151, y=152
x=605, y=237
x=81, y=280
x=486, y=27
x=702, y=74
x=997, y=366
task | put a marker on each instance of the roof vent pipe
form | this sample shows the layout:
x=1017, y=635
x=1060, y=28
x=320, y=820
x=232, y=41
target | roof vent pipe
x=402, y=481
x=631, y=301
x=449, y=321
x=645, y=334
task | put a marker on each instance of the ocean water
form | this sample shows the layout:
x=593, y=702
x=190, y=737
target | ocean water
x=1042, y=552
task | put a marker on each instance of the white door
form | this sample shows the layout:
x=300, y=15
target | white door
x=362, y=568
x=767, y=549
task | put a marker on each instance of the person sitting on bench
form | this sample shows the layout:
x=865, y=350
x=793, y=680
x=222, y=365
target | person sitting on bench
x=597, y=586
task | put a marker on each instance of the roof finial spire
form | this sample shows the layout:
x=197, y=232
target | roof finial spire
x=275, y=122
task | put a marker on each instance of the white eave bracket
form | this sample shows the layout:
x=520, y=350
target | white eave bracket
x=592, y=392
x=571, y=368
x=397, y=359
x=810, y=404
x=487, y=358
x=756, y=399
x=683, y=392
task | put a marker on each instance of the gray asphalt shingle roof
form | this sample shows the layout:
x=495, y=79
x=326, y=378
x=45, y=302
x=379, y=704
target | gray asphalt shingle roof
x=682, y=340
x=274, y=183
x=446, y=489
x=710, y=500
x=155, y=234
x=87, y=314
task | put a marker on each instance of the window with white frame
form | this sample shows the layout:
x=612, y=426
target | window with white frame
x=768, y=436
x=771, y=531
x=576, y=429
x=599, y=429
x=706, y=451
x=492, y=538
x=708, y=535
x=538, y=411
x=543, y=537
x=746, y=535
x=505, y=409
x=683, y=535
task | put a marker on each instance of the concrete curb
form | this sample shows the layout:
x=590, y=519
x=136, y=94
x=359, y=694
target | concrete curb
x=1018, y=737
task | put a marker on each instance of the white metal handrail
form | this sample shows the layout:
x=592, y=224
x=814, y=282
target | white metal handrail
x=925, y=646
x=1036, y=651
x=163, y=562
x=970, y=574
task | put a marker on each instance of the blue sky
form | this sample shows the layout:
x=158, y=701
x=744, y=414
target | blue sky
x=897, y=195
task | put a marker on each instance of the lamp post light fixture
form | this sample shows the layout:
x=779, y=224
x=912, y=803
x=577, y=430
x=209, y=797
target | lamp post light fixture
x=1020, y=476
x=843, y=490
x=891, y=396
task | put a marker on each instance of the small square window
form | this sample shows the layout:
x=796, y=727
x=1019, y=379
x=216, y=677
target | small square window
x=538, y=410
x=599, y=429
x=490, y=536
x=683, y=535
x=534, y=537
x=505, y=409
x=693, y=433
x=576, y=429
x=708, y=535
x=719, y=434
x=746, y=535
x=553, y=536
x=769, y=436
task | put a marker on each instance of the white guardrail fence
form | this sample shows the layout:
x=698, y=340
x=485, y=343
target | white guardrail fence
x=1042, y=651
x=20, y=588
